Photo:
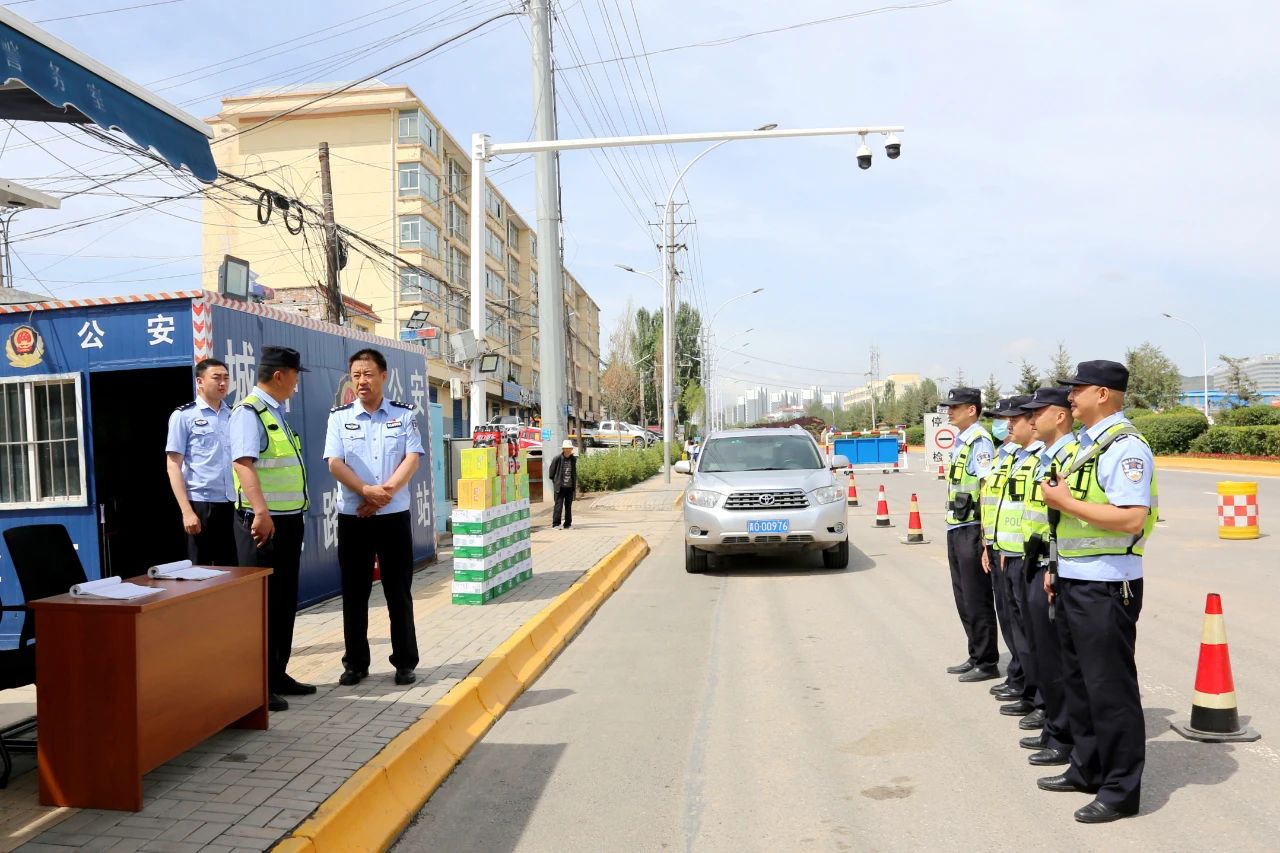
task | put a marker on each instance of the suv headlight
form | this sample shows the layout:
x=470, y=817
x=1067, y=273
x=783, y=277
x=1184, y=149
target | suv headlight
x=828, y=494
x=704, y=498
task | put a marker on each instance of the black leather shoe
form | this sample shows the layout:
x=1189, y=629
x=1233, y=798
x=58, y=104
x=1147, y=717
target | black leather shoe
x=1049, y=757
x=980, y=673
x=996, y=688
x=1017, y=709
x=1032, y=742
x=1008, y=695
x=275, y=702
x=1032, y=721
x=1060, y=784
x=292, y=687
x=405, y=675
x=961, y=668
x=1097, y=812
x=351, y=677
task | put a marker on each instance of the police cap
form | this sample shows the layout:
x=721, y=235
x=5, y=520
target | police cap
x=963, y=397
x=1105, y=374
x=1047, y=397
x=1011, y=407
x=282, y=357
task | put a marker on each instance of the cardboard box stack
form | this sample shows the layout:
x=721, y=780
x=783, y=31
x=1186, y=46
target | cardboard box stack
x=491, y=524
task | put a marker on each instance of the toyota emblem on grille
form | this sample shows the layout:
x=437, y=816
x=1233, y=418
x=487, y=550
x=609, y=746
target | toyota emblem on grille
x=765, y=500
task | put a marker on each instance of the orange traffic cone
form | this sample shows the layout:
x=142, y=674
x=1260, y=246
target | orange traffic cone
x=853, y=491
x=882, y=510
x=1214, y=717
x=915, y=528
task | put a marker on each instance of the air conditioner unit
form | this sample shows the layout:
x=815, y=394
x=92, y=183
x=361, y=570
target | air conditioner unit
x=463, y=346
x=455, y=387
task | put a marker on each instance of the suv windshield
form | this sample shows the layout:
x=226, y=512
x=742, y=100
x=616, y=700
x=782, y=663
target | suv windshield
x=759, y=453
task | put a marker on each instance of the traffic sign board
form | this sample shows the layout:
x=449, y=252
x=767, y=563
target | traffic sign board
x=939, y=439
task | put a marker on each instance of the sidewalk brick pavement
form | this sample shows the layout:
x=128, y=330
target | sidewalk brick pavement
x=244, y=790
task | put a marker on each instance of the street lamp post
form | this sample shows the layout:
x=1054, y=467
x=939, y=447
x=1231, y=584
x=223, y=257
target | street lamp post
x=1204, y=351
x=708, y=377
x=483, y=150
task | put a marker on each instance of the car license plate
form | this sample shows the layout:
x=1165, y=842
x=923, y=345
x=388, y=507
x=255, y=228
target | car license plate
x=769, y=526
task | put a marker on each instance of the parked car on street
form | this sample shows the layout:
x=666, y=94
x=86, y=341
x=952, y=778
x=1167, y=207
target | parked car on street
x=620, y=434
x=764, y=491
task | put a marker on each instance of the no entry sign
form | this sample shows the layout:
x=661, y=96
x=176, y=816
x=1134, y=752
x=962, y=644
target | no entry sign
x=939, y=439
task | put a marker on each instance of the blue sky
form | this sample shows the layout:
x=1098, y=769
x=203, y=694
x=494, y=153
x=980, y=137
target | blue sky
x=1069, y=171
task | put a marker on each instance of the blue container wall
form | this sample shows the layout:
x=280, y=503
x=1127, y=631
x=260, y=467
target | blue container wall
x=869, y=450
x=238, y=338
x=82, y=341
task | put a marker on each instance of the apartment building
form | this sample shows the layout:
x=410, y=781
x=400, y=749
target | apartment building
x=401, y=181
x=901, y=382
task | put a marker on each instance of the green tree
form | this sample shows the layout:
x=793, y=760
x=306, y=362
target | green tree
x=991, y=392
x=1060, y=366
x=1028, y=379
x=688, y=346
x=1243, y=390
x=1154, y=381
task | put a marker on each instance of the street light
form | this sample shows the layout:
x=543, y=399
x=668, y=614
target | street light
x=708, y=379
x=1204, y=350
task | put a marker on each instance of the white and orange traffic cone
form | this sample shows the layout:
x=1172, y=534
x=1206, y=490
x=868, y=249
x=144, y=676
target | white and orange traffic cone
x=1214, y=716
x=915, y=528
x=853, y=491
x=882, y=510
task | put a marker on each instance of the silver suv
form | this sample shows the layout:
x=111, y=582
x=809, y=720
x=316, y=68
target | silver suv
x=764, y=491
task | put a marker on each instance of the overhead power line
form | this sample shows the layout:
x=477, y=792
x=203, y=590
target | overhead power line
x=108, y=11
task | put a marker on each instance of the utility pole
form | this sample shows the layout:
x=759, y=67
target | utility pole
x=333, y=295
x=551, y=310
x=875, y=376
x=668, y=335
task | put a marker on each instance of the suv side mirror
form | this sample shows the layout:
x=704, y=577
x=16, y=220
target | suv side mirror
x=682, y=467
x=839, y=461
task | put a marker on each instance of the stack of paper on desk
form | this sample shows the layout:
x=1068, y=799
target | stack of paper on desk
x=182, y=570
x=112, y=588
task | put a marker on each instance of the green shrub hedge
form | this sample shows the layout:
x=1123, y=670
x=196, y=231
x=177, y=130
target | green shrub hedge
x=1137, y=412
x=915, y=435
x=1172, y=433
x=617, y=469
x=1249, y=416
x=1243, y=440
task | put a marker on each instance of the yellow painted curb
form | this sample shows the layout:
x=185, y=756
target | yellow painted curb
x=1247, y=467
x=374, y=806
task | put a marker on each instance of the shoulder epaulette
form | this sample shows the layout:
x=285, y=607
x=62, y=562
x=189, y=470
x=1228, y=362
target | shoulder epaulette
x=402, y=405
x=340, y=408
x=186, y=406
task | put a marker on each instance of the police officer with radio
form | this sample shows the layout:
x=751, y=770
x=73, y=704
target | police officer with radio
x=373, y=448
x=1107, y=500
x=971, y=460
x=1050, y=416
x=271, y=502
x=198, y=461
x=1014, y=683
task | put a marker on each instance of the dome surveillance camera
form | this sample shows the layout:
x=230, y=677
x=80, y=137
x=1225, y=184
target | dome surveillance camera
x=893, y=146
x=864, y=156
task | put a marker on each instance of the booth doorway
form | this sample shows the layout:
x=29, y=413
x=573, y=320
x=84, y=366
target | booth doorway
x=139, y=521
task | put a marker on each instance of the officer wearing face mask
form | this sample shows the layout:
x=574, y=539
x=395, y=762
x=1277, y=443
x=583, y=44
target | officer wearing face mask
x=1014, y=684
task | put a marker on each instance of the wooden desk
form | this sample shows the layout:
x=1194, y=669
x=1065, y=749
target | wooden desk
x=122, y=687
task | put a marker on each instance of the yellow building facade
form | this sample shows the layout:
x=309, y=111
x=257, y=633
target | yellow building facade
x=402, y=182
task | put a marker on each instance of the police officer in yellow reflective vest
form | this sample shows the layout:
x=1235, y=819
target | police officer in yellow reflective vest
x=1009, y=546
x=1014, y=683
x=971, y=459
x=1050, y=415
x=271, y=500
x=1107, y=497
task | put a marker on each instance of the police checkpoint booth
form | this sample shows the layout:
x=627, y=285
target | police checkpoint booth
x=86, y=390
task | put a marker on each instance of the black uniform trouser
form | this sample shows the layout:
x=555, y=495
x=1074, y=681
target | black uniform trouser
x=1015, y=592
x=564, y=500
x=282, y=553
x=973, y=593
x=1004, y=618
x=389, y=538
x=215, y=544
x=1098, y=633
x=1046, y=653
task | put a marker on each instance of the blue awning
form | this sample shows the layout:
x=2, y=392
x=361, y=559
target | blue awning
x=74, y=88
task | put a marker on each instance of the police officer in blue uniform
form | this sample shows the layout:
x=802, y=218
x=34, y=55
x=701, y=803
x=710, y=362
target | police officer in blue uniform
x=198, y=460
x=1107, y=500
x=270, y=521
x=373, y=448
x=1014, y=683
x=971, y=460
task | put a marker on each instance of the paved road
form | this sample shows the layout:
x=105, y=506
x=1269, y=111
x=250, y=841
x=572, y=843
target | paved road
x=772, y=705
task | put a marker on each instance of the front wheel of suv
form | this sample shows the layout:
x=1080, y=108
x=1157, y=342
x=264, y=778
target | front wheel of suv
x=695, y=561
x=837, y=557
